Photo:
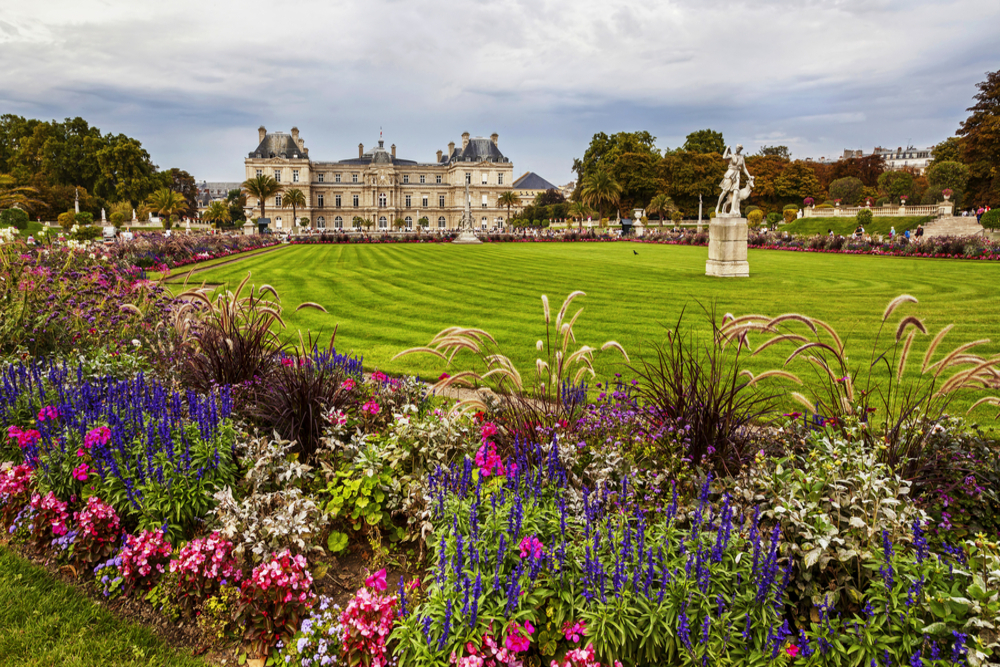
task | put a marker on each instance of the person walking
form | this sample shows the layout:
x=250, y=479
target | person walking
x=979, y=214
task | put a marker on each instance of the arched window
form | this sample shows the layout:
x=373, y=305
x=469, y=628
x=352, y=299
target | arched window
x=382, y=200
x=320, y=222
x=409, y=222
x=338, y=222
x=442, y=223
x=383, y=223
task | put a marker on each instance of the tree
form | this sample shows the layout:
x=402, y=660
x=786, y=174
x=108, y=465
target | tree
x=896, y=184
x=367, y=223
x=849, y=190
x=399, y=223
x=662, y=205
x=183, y=183
x=600, y=190
x=261, y=188
x=949, y=150
x=508, y=198
x=579, y=210
x=687, y=175
x=237, y=202
x=14, y=217
x=797, y=181
x=294, y=199
x=356, y=221
x=425, y=222
x=980, y=134
x=166, y=203
x=122, y=208
x=124, y=170
x=12, y=194
x=705, y=141
x=947, y=175
x=636, y=174
x=66, y=220
x=766, y=169
x=604, y=152
x=217, y=213
x=775, y=151
x=866, y=169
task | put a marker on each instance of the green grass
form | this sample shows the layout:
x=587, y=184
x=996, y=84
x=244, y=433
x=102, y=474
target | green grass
x=846, y=226
x=387, y=298
x=46, y=622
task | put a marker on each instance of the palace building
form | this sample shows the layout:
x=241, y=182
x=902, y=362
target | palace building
x=380, y=187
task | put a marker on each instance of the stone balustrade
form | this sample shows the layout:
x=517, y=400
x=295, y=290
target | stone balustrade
x=944, y=209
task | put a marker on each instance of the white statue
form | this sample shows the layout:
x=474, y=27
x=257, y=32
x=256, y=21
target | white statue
x=731, y=183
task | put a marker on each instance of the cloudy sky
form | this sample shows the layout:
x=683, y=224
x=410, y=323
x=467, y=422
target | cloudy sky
x=193, y=79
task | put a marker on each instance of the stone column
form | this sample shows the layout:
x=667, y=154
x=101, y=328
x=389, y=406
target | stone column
x=727, y=247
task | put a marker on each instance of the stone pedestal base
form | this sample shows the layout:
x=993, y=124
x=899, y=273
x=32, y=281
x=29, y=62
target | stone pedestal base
x=727, y=248
x=468, y=238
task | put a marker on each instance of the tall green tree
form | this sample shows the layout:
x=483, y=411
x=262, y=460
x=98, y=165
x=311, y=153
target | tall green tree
x=686, y=175
x=578, y=210
x=261, y=188
x=797, y=181
x=293, y=199
x=604, y=152
x=775, y=151
x=705, y=141
x=508, y=199
x=980, y=134
x=946, y=175
x=849, y=190
x=23, y=197
x=166, y=203
x=949, y=150
x=237, y=201
x=601, y=191
x=896, y=184
x=217, y=213
x=636, y=173
x=183, y=183
x=125, y=170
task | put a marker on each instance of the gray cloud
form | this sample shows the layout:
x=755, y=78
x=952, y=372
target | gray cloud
x=192, y=80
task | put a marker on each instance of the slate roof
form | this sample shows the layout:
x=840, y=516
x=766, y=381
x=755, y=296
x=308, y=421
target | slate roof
x=278, y=144
x=378, y=156
x=532, y=181
x=478, y=149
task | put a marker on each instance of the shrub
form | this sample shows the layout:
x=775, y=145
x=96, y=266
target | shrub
x=117, y=219
x=751, y=209
x=882, y=201
x=791, y=207
x=66, y=220
x=274, y=598
x=848, y=190
x=98, y=529
x=773, y=218
x=824, y=205
x=864, y=217
x=754, y=218
x=991, y=219
x=14, y=217
x=83, y=218
x=790, y=214
x=50, y=519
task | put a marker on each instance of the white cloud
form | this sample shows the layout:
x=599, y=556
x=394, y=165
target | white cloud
x=191, y=78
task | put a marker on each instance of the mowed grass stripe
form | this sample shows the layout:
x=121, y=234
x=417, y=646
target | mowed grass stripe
x=387, y=298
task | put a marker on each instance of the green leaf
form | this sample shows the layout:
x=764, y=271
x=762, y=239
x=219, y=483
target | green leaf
x=337, y=542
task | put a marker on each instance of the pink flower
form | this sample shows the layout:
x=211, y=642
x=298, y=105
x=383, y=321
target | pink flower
x=371, y=407
x=574, y=631
x=80, y=472
x=97, y=436
x=487, y=431
x=348, y=384
x=376, y=581
x=48, y=412
x=792, y=650
x=519, y=637
x=531, y=546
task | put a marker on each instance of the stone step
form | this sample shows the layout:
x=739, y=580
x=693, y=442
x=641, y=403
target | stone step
x=953, y=226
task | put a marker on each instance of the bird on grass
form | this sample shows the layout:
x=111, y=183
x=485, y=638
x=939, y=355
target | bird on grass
x=634, y=252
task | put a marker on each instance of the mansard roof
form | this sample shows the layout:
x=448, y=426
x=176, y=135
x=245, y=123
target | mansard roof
x=532, y=181
x=278, y=144
x=477, y=150
x=378, y=156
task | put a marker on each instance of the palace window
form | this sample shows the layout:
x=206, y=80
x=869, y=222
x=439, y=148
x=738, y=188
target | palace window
x=277, y=175
x=320, y=222
x=338, y=222
x=484, y=223
x=406, y=178
x=409, y=222
x=354, y=178
x=484, y=202
x=295, y=175
x=322, y=177
x=383, y=223
x=382, y=200
x=336, y=201
x=499, y=179
x=407, y=201
x=320, y=200
x=336, y=178
x=260, y=172
x=422, y=179
x=277, y=201
x=437, y=179
x=424, y=200
x=468, y=177
x=355, y=201
x=442, y=223
x=486, y=178
x=441, y=201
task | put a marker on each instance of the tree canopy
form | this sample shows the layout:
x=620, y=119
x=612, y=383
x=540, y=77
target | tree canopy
x=705, y=141
x=980, y=134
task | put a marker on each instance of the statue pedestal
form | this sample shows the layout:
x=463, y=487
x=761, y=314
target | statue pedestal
x=727, y=247
x=466, y=237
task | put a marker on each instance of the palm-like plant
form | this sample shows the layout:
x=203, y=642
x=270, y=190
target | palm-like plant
x=12, y=194
x=293, y=199
x=165, y=203
x=661, y=205
x=217, y=212
x=261, y=187
x=600, y=189
x=579, y=210
x=508, y=199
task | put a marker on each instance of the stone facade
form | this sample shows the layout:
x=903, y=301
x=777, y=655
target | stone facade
x=382, y=188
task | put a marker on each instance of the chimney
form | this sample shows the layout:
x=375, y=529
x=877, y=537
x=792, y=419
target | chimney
x=361, y=150
x=451, y=149
x=439, y=156
x=298, y=142
x=494, y=137
x=465, y=140
x=261, y=133
x=392, y=149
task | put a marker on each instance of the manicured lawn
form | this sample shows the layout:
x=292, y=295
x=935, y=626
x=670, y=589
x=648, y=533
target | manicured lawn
x=846, y=225
x=46, y=622
x=387, y=298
